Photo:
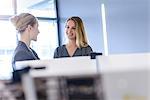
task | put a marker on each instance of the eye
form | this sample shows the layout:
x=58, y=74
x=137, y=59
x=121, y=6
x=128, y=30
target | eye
x=67, y=27
x=73, y=28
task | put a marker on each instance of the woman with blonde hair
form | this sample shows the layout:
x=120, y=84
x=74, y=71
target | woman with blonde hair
x=77, y=41
x=27, y=27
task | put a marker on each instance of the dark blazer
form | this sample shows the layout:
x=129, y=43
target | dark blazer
x=22, y=52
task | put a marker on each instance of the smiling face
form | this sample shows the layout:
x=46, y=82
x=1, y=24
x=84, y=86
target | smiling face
x=71, y=30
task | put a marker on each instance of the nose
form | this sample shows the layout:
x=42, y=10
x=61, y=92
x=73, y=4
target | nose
x=38, y=31
x=69, y=30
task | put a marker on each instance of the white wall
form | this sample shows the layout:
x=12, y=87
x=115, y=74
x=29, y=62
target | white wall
x=128, y=25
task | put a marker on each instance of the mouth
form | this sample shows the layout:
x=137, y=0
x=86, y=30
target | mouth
x=70, y=34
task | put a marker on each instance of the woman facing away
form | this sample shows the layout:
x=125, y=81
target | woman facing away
x=77, y=41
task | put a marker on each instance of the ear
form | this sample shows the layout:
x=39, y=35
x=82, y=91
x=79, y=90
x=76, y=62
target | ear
x=29, y=27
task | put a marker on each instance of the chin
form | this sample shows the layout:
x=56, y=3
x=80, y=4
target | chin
x=34, y=39
x=71, y=37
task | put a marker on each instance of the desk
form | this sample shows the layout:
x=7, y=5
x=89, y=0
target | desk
x=55, y=70
x=123, y=76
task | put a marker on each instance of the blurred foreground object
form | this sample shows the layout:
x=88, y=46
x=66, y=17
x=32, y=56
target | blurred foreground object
x=113, y=77
x=5, y=93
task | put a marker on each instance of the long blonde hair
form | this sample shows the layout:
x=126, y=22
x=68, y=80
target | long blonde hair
x=81, y=39
x=22, y=20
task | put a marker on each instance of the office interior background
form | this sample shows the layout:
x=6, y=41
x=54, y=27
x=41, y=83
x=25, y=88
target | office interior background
x=125, y=23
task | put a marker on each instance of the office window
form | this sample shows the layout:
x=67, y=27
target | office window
x=39, y=8
x=47, y=39
x=45, y=11
x=7, y=45
x=6, y=7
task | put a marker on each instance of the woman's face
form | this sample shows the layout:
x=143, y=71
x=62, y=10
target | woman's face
x=34, y=32
x=71, y=30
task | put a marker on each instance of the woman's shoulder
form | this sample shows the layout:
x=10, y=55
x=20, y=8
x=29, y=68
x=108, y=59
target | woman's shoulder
x=61, y=47
x=88, y=48
x=59, y=51
x=20, y=55
x=21, y=47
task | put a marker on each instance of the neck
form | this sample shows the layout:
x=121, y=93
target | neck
x=25, y=39
x=72, y=43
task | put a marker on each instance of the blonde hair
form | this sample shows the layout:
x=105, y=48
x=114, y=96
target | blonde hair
x=22, y=21
x=81, y=39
